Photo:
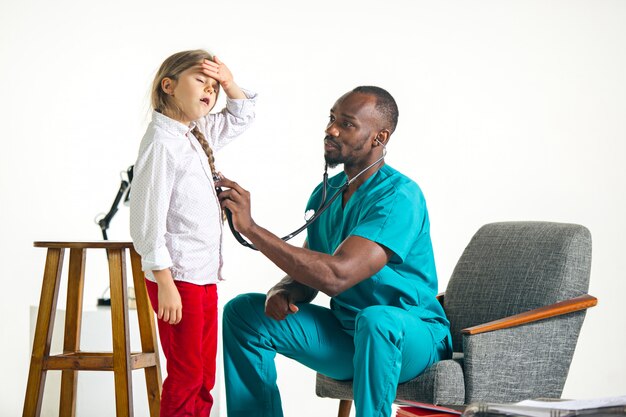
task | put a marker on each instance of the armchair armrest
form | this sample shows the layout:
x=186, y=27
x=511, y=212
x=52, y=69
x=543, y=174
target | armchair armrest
x=557, y=309
x=440, y=297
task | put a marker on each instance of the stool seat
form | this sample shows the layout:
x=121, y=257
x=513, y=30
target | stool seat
x=86, y=244
x=121, y=360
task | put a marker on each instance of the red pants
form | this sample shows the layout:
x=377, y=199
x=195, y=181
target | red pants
x=190, y=348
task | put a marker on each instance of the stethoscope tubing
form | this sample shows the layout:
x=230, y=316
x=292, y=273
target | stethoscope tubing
x=324, y=205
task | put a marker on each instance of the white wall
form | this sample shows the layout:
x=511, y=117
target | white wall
x=508, y=111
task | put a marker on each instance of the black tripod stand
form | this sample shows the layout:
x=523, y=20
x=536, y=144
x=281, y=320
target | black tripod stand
x=122, y=193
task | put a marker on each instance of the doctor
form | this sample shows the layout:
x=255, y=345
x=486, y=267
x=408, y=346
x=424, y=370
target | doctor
x=371, y=252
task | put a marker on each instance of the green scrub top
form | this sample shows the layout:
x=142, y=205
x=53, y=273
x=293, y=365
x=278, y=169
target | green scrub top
x=389, y=208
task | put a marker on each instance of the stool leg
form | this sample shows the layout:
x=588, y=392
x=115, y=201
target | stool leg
x=73, y=319
x=147, y=330
x=121, y=339
x=43, y=332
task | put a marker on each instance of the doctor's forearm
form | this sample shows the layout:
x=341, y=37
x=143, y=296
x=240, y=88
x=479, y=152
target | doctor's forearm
x=314, y=269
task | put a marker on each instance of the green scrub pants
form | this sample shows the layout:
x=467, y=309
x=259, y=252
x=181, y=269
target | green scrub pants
x=389, y=345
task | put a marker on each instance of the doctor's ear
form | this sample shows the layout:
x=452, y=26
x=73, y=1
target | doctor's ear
x=167, y=85
x=382, y=137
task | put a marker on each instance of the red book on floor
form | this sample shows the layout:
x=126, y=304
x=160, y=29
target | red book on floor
x=416, y=409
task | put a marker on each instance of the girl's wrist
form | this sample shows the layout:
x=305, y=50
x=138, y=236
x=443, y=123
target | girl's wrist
x=233, y=91
x=163, y=276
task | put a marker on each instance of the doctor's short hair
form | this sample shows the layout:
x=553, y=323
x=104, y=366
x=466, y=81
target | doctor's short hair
x=385, y=104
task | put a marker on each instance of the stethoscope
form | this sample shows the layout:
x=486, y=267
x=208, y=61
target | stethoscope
x=324, y=205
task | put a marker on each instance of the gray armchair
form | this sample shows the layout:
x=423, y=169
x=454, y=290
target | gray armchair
x=516, y=302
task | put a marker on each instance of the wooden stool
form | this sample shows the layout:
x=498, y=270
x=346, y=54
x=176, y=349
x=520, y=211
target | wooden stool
x=121, y=361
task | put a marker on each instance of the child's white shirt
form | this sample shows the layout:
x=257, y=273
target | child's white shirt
x=175, y=216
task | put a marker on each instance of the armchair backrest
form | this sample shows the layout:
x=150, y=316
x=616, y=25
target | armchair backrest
x=512, y=267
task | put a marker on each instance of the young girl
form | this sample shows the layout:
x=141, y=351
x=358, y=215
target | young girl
x=176, y=221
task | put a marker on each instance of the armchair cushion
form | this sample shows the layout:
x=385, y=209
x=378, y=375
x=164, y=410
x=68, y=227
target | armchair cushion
x=442, y=383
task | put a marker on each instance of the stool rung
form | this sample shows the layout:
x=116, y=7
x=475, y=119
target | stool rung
x=96, y=361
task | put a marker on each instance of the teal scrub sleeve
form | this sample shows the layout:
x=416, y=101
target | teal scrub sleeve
x=394, y=221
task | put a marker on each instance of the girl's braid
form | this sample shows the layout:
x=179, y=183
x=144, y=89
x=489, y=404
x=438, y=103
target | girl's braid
x=209, y=153
x=207, y=150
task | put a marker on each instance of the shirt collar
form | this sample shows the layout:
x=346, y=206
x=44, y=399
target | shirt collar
x=171, y=125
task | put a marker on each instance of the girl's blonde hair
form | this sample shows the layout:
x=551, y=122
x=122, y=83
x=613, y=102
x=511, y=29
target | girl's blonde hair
x=163, y=103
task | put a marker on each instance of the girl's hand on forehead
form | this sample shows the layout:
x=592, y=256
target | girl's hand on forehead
x=217, y=70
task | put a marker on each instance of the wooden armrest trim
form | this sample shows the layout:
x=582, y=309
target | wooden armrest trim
x=557, y=309
x=440, y=297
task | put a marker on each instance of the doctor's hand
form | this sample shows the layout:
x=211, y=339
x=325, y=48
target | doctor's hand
x=237, y=200
x=278, y=305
